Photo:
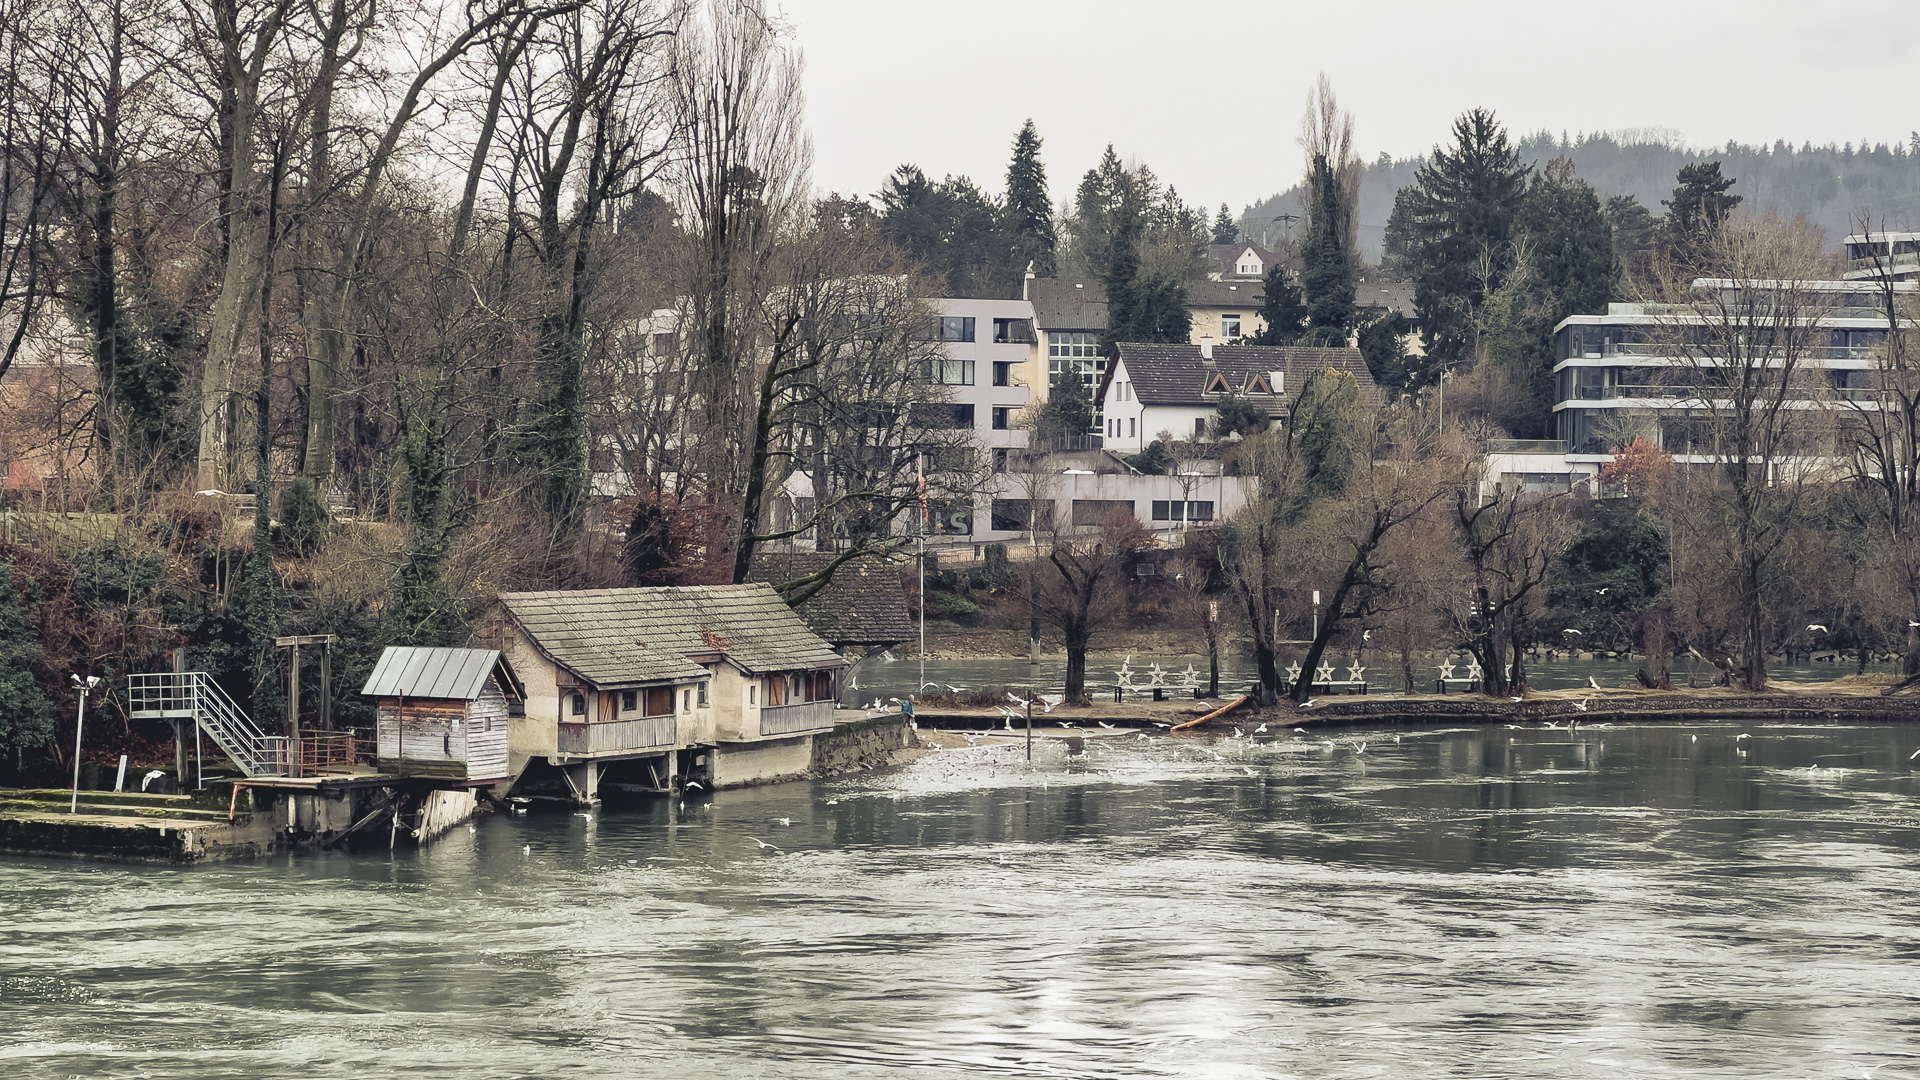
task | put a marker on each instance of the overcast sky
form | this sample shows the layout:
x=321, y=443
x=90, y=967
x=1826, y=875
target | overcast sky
x=1210, y=94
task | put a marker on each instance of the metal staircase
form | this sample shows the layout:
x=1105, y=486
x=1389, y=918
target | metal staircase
x=194, y=695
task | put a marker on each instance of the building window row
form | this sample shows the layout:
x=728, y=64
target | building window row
x=1176, y=510
x=1072, y=343
x=949, y=372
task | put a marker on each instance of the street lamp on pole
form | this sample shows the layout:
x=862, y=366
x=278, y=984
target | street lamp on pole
x=80, y=720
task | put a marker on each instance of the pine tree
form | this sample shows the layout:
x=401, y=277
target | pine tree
x=1698, y=209
x=1332, y=195
x=1027, y=214
x=1225, y=229
x=1460, y=213
x=1282, y=309
x=1571, y=246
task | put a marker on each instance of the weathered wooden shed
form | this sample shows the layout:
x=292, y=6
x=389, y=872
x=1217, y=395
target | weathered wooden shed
x=443, y=712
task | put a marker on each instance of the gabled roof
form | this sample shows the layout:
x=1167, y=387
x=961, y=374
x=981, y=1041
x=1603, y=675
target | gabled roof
x=1060, y=304
x=863, y=604
x=1179, y=375
x=1226, y=257
x=626, y=637
x=446, y=674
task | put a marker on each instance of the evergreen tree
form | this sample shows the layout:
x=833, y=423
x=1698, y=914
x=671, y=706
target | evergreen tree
x=1282, y=309
x=1068, y=411
x=1633, y=231
x=1225, y=229
x=1459, y=221
x=1141, y=305
x=1329, y=254
x=1383, y=346
x=1698, y=209
x=1571, y=250
x=948, y=228
x=1397, y=243
x=1027, y=215
x=26, y=716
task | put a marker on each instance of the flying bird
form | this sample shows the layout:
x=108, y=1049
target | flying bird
x=1571, y=630
x=1602, y=592
x=784, y=820
x=1103, y=723
x=1307, y=704
x=1582, y=704
x=1366, y=636
x=1811, y=627
x=1520, y=698
x=1261, y=730
x=764, y=846
x=956, y=689
x=1016, y=699
x=1593, y=683
x=1915, y=754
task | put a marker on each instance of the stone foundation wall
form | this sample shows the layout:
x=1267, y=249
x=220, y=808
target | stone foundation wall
x=861, y=744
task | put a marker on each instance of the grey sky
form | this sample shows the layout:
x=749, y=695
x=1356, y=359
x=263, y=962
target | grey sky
x=1210, y=95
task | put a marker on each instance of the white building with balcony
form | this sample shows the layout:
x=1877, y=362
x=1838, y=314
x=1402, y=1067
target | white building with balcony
x=1636, y=371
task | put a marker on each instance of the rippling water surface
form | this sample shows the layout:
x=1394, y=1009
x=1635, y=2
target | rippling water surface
x=1616, y=902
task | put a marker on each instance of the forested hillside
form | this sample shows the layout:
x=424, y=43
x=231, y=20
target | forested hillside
x=1830, y=184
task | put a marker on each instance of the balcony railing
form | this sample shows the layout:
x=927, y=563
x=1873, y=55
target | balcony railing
x=795, y=719
x=618, y=736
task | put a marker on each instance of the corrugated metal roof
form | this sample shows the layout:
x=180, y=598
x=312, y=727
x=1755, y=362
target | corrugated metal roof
x=625, y=637
x=406, y=671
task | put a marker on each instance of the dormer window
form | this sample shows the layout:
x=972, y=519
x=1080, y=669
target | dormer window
x=1257, y=384
x=1217, y=384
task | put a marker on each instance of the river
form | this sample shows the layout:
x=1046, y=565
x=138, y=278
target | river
x=1632, y=901
x=877, y=678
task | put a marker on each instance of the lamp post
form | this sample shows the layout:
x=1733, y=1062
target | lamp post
x=79, y=723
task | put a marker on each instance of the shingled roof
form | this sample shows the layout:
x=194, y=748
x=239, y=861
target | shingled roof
x=1060, y=304
x=626, y=637
x=862, y=604
x=1180, y=375
x=1241, y=293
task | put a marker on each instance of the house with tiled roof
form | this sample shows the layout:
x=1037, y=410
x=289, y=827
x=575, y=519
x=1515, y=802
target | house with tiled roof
x=1243, y=260
x=645, y=687
x=1178, y=388
x=862, y=607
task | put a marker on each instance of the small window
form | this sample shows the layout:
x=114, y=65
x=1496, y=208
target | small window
x=1000, y=460
x=1230, y=326
x=753, y=691
x=703, y=694
x=686, y=700
x=1002, y=417
x=1129, y=427
x=579, y=705
x=956, y=328
x=1003, y=373
x=1199, y=426
x=629, y=700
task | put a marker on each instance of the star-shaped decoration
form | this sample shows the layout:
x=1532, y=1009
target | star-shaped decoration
x=1446, y=669
x=1293, y=673
x=1123, y=678
x=1156, y=677
x=1356, y=673
x=1473, y=669
x=1189, y=677
x=1323, y=673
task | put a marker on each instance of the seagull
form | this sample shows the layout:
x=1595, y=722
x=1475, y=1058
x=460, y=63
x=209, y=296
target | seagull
x=1816, y=626
x=526, y=849
x=1571, y=630
x=1695, y=738
x=1813, y=766
x=764, y=846
x=1582, y=704
x=695, y=785
x=1157, y=723
x=957, y=689
x=853, y=682
x=1602, y=592
x=1593, y=683
x=1103, y=723
x=784, y=820
x=1261, y=730
x=1520, y=698
x=1048, y=701
x=1238, y=734
x=1015, y=698
x=1009, y=721
x=1307, y=704
x=1742, y=735
x=1366, y=636
x=1915, y=754
x=1360, y=747
x=1248, y=771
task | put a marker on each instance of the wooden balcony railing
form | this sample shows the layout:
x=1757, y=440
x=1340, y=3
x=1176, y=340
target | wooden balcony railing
x=795, y=719
x=618, y=736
